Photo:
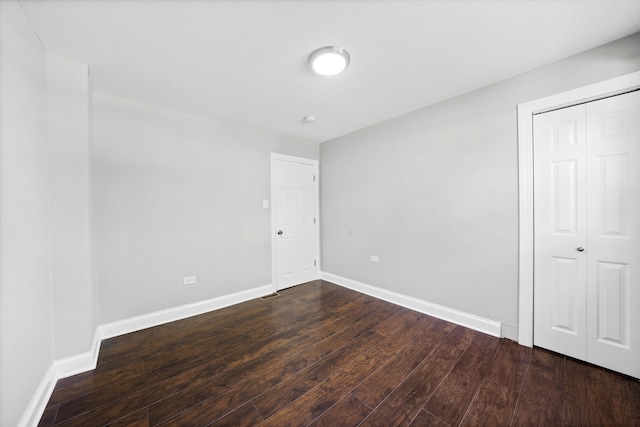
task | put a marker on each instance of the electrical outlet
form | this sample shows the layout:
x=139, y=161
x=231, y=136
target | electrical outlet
x=191, y=280
x=374, y=258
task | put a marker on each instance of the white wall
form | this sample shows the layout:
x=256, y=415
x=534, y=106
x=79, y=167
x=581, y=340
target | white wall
x=26, y=334
x=74, y=307
x=175, y=196
x=434, y=193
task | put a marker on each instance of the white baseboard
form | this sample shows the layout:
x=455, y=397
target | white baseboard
x=78, y=363
x=84, y=362
x=145, y=321
x=33, y=413
x=461, y=318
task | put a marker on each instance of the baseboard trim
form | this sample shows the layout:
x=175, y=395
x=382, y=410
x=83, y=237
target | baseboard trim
x=33, y=413
x=150, y=320
x=458, y=317
x=84, y=362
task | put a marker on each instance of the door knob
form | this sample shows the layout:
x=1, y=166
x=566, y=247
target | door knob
x=580, y=249
x=280, y=232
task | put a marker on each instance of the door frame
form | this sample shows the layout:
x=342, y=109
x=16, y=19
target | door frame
x=316, y=213
x=526, y=252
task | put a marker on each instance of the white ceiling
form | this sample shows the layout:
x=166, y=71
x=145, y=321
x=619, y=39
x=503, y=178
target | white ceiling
x=245, y=62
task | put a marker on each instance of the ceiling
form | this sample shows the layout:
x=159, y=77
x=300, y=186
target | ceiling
x=245, y=62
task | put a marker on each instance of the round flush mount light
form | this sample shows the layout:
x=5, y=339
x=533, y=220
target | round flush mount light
x=329, y=60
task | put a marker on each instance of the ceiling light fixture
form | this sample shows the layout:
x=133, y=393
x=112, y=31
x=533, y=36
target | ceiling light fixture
x=329, y=60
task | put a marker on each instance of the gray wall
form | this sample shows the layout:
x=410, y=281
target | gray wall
x=434, y=193
x=26, y=335
x=47, y=300
x=72, y=285
x=175, y=196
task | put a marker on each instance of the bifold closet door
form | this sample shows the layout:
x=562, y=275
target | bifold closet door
x=587, y=234
x=613, y=233
x=560, y=232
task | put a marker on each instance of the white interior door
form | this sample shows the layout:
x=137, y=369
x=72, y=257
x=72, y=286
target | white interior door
x=295, y=220
x=586, y=232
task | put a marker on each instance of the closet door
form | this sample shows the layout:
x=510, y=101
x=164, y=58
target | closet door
x=613, y=233
x=560, y=231
x=587, y=232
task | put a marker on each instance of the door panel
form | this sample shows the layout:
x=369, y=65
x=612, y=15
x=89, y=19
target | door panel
x=564, y=288
x=565, y=197
x=614, y=187
x=613, y=298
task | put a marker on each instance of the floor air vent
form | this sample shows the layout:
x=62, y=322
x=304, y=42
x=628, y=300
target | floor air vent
x=273, y=295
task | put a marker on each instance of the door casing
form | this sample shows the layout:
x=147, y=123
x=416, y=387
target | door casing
x=274, y=259
x=526, y=111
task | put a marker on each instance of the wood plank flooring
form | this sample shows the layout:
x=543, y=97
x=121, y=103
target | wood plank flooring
x=321, y=355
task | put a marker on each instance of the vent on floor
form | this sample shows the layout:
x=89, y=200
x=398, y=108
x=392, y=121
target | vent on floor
x=273, y=295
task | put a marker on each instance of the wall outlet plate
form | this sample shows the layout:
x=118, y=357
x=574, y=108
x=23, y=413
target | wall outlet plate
x=374, y=258
x=191, y=280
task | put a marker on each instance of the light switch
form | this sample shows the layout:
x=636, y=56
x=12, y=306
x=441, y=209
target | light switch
x=265, y=204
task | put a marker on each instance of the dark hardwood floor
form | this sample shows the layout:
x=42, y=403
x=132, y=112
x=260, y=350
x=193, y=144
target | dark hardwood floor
x=323, y=355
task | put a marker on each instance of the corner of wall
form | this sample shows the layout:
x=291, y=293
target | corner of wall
x=76, y=364
x=458, y=317
x=510, y=332
x=38, y=403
